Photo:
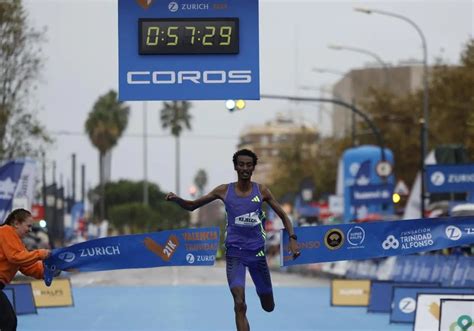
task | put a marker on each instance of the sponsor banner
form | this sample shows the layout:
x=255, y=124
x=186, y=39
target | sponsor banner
x=58, y=294
x=24, y=302
x=404, y=300
x=183, y=247
x=450, y=178
x=428, y=310
x=17, y=179
x=350, y=292
x=371, y=194
x=381, y=294
x=377, y=239
x=456, y=315
x=186, y=31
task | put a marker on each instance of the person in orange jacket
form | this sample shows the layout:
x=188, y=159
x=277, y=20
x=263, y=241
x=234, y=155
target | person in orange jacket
x=13, y=257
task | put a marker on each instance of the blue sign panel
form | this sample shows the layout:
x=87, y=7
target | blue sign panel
x=359, y=166
x=381, y=294
x=450, y=178
x=404, y=300
x=24, y=301
x=188, y=50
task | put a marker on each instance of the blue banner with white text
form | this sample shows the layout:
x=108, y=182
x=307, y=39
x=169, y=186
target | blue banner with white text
x=183, y=247
x=327, y=243
x=371, y=194
x=17, y=181
x=449, y=178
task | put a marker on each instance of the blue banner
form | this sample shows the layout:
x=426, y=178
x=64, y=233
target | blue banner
x=404, y=300
x=371, y=194
x=183, y=247
x=327, y=243
x=13, y=195
x=450, y=178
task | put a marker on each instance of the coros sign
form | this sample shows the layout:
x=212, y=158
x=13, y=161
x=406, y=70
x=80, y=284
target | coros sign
x=209, y=48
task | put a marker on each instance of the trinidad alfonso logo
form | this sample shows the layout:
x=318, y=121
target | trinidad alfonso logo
x=390, y=243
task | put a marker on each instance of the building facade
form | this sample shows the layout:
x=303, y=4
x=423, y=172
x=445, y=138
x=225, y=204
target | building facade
x=268, y=140
x=355, y=85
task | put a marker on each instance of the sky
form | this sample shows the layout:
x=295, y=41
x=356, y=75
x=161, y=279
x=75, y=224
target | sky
x=81, y=62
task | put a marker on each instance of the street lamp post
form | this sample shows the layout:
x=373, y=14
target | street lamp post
x=424, y=120
x=366, y=52
x=344, y=104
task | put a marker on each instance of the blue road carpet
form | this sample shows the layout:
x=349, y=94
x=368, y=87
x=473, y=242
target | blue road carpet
x=200, y=308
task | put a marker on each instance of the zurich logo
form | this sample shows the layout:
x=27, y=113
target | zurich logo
x=453, y=232
x=190, y=258
x=173, y=6
x=437, y=178
x=67, y=256
x=390, y=242
x=407, y=305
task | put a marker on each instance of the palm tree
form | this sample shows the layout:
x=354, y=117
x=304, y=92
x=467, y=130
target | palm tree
x=175, y=116
x=106, y=122
x=201, y=180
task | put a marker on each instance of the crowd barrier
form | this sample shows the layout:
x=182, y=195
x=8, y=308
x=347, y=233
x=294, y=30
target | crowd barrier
x=412, y=288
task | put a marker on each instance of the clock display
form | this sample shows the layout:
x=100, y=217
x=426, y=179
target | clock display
x=188, y=36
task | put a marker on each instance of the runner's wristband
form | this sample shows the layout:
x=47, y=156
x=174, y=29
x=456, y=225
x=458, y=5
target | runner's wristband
x=293, y=236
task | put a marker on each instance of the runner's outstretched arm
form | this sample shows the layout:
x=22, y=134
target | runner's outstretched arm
x=216, y=193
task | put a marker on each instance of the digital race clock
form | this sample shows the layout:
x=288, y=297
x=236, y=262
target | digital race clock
x=188, y=36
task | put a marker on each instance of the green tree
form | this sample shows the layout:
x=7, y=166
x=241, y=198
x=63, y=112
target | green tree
x=175, y=116
x=21, y=134
x=200, y=180
x=128, y=196
x=135, y=216
x=304, y=157
x=106, y=122
x=451, y=100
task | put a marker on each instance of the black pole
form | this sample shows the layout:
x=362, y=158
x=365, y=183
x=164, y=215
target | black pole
x=43, y=179
x=422, y=167
x=83, y=183
x=374, y=129
x=73, y=194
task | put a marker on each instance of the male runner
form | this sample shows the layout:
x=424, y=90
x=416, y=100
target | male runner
x=245, y=238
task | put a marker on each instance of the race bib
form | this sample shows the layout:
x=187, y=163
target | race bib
x=249, y=219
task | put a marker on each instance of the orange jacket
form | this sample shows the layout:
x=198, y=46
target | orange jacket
x=14, y=256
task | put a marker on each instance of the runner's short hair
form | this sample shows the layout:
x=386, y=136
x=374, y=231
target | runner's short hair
x=246, y=152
